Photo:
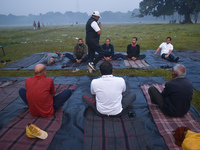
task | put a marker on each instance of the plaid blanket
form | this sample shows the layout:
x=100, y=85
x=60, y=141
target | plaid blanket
x=136, y=64
x=9, y=92
x=113, y=62
x=13, y=136
x=6, y=83
x=114, y=133
x=166, y=125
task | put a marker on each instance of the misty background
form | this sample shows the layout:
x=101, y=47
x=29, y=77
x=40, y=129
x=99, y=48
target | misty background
x=59, y=12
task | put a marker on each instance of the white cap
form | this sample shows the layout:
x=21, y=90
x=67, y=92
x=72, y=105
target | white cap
x=96, y=13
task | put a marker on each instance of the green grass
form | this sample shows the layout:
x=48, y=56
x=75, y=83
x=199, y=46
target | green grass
x=20, y=42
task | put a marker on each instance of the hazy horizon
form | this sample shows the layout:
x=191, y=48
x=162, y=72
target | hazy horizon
x=24, y=7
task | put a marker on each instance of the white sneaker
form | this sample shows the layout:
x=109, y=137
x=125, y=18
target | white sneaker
x=91, y=65
x=90, y=70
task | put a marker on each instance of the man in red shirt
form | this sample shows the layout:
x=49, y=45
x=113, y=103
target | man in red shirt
x=39, y=94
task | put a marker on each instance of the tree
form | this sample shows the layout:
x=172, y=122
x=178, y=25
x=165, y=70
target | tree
x=168, y=7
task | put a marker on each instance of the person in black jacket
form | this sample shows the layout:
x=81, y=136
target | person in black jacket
x=93, y=32
x=133, y=51
x=176, y=97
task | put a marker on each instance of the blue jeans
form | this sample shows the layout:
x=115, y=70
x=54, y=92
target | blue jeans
x=169, y=58
x=58, y=100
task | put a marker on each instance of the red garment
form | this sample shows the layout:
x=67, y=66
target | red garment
x=39, y=92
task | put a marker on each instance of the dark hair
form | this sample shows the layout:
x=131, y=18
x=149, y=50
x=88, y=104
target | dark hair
x=108, y=39
x=135, y=38
x=169, y=38
x=106, y=68
x=80, y=39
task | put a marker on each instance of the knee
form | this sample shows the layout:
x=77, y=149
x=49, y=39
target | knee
x=150, y=89
x=22, y=91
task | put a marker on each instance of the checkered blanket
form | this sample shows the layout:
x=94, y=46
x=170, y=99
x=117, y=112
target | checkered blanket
x=9, y=92
x=113, y=62
x=114, y=133
x=136, y=64
x=166, y=125
x=13, y=136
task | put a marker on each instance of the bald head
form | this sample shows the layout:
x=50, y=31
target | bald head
x=179, y=70
x=40, y=69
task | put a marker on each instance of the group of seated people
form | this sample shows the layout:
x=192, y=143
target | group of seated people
x=133, y=52
x=109, y=94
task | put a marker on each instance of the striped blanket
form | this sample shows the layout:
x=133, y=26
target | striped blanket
x=136, y=64
x=9, y=92
x=123, y=132
x=166, y=125
x=113, y=62
x=13, y=136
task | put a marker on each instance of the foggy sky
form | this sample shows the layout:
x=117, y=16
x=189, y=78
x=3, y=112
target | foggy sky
x=26, y=7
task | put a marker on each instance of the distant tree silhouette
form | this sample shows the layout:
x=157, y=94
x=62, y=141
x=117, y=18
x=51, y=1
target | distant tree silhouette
x=168, y=7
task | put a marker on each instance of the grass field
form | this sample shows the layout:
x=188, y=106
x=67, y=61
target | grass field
x=20, y=42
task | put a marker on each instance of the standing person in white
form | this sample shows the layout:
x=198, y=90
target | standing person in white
x=166, y=50
x=108, y=91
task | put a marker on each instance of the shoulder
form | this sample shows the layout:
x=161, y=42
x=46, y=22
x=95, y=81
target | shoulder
x=120, y=79
x=138, y=45
x=103, y=45
x=128, y=45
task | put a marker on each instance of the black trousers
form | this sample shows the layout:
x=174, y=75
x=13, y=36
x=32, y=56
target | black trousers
x=156, y=98
x=92, y=48
x=127, y=100
x=70, y=56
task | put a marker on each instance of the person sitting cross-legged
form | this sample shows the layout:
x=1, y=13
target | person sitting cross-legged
x=79, y=54
x=133, y=51
x=109, y=51
x=176, y=97
x=108, y=91
x=39, y=94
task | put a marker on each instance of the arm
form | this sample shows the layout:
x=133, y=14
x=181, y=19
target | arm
x=128, y=52
x=85, y=52
x=170, y=51
x=92, y=89
x=96, y=27
x=112, y=51
x=75, y=52
x=99, y=32
x=157, y=50
x=138, y=50
x=52, y=89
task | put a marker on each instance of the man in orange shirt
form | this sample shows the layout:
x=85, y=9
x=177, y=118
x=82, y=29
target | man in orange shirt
x=39, y=94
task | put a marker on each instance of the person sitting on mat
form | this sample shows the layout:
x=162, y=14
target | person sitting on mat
x=52, y=58
x=79, y=54
x=166, y=50
x=109, y=51
x=39, y=94
x=133, y=51
x=108, y=91
x=176, y=97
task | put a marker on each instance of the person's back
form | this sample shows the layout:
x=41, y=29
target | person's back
x=108, y=90
x=175, y=99
x=177, y=95
x=39, y=96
